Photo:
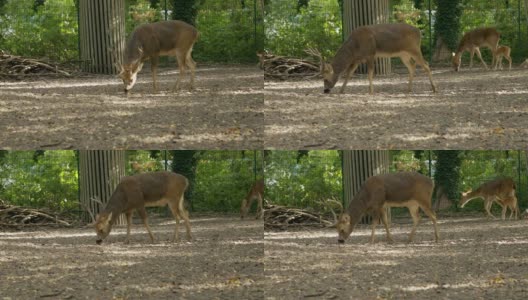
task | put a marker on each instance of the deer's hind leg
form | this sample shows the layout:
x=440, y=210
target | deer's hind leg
x=191, y=64
x=419, y=60
x=180, y=58
x=406, y=59
x=414, y=210
x=386, y=224
x=429, y=212
x=375, y=222
x=179, y=211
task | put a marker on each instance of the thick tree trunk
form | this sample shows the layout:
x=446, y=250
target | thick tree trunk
x=99, y=173
x=358, y=13
x=358, y=165
x=101, y=35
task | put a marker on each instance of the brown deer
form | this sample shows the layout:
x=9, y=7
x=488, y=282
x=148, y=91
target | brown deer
x=405, y=189
x=256, y=192
x=150, y=41
x=366, y=43
x=472, y=41
x=502, y=51
x=500, y=191
x=141, y=190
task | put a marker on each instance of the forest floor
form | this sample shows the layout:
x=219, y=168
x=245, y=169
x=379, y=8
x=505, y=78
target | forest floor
x=475, y=258
x=225, y=261
x=93, y=112
x=473, y=109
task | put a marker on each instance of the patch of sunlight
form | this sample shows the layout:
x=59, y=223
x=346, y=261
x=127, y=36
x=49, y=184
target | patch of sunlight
x=431, y=136
x=241, y=242
x=76, y=266
x=43, y=235
x=242, y=92
x=305, y=129
x=429, y=286
x=302, y=235
x=509, y=242
x=65, y=84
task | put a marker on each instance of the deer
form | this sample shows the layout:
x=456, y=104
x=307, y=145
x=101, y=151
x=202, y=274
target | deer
x=472, y=41
x=256, y=192
x=403, y=189
x=142, y=190
x=503, y=51
x=150, y=41
x=366, y=43
x=524, y=64
x=500, y=191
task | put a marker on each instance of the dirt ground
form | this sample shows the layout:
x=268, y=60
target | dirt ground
x=474, y=259
x=225, y=261
x=92, y=112
x=474, y=109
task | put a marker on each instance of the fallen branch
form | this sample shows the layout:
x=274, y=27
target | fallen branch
x=281, y=217
x=282, y=68
x=16, y=216
x=17, y=67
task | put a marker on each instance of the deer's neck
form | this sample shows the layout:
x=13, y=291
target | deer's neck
x=132, y=53
x=116, y=205
x=356, y=209
x=342, y=59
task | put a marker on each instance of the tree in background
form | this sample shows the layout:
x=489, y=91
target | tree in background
x=184, y=163
x=447, y=27
x=447, y=175
x=185, y=10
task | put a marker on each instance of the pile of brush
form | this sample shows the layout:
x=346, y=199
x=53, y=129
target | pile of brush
x=13, y=216
x=17, y=67
x=281, y=217
x=282, y=67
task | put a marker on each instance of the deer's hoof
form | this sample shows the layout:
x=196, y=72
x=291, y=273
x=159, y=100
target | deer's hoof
x=340, y=241
x=99, y=242
x=326, y=91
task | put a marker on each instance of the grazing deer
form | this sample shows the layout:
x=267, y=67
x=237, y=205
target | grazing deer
x=405, y=189
x=501, y=191
x=256, y=192
x=366, y=43
x=141, y=190
x=150, y=41
x=472, y=41
x=502, y=51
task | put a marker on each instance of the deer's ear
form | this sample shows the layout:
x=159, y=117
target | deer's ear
x=140, y=49
x=109, y=217
x=453, y=54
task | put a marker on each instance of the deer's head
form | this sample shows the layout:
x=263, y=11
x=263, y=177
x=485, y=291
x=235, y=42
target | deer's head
x=326, y=70
x=128, y=71
x=456, y=60
x=344, y=227
x=103, y=226
x=465, y=198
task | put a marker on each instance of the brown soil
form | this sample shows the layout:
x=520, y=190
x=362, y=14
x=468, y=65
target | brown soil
x=475, y=259
x=474, y=109
x=224, y=111
x=225, y=261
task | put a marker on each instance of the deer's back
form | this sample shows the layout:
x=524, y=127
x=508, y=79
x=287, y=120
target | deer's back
x=389, y=38
x=149, y=188
x=163, y=38
x=498, y=187
x=403, y=186
x=480, y=36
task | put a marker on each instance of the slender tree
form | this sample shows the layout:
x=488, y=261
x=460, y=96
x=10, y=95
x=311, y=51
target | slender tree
x=184, y=163
x=185, y=10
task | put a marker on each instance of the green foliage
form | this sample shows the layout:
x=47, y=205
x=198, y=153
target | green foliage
x=316, y=177
x=289, y=31
x=447, y=25
x=184, y=163
x=447, y=172
x=49, y=181
x=223, y=178
x=49, y=31
x=227, y=34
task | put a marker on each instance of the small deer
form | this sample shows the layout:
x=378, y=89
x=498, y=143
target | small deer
x=500, y=191
x=502, y=51
x=150, y=41
x=405, y=189
x=141, y=190
x=256, y=192
x=366, y=43
x=524, y=64
x=472, y=41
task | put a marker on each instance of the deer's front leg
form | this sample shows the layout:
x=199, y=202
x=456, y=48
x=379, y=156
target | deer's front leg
x=154, y=70
x=487, y=206
x=481, y=60
x=129, y=223
x=375, y=222
x=143, y=214
x=386, y=224
x=370, y=67
x=351, y=69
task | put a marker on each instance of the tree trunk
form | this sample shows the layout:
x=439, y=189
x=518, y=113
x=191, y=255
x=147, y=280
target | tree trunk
x=358, y=165
x=99, y=173
x=101, y=35
x=358, y=13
